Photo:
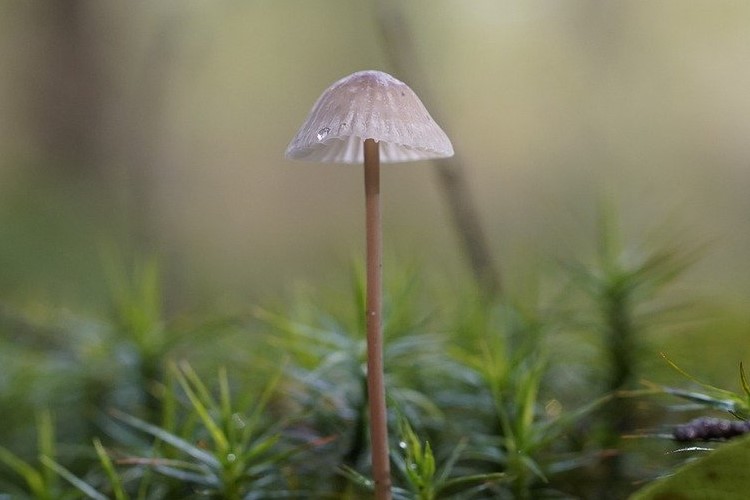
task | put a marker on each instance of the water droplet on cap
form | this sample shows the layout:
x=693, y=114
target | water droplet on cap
x=322, y=133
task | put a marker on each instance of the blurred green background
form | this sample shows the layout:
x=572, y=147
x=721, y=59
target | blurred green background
x=160, y=127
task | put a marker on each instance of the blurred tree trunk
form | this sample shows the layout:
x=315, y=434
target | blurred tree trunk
x=95, y=132
x=66, y=87
x=88, y=125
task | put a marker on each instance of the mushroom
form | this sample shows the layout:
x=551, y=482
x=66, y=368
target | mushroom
x=370, y=117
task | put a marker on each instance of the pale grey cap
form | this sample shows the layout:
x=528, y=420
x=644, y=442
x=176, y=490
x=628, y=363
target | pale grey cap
x=369, y=105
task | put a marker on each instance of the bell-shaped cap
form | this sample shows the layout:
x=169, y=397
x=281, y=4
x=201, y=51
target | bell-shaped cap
x=369, y=105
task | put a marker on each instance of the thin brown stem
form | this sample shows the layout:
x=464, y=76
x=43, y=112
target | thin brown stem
x=381, y=469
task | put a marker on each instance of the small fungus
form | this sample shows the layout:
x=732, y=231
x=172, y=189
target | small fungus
x=370, y=117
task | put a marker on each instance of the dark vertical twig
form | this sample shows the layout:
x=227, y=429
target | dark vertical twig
x=451, y=176
x=457, y=194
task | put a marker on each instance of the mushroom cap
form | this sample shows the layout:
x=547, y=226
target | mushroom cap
x=369, y=105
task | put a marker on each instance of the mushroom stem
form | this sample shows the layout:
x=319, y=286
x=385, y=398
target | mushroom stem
x=381, y=469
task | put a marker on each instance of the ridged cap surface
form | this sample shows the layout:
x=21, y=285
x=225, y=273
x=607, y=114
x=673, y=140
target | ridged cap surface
x=369, y=105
